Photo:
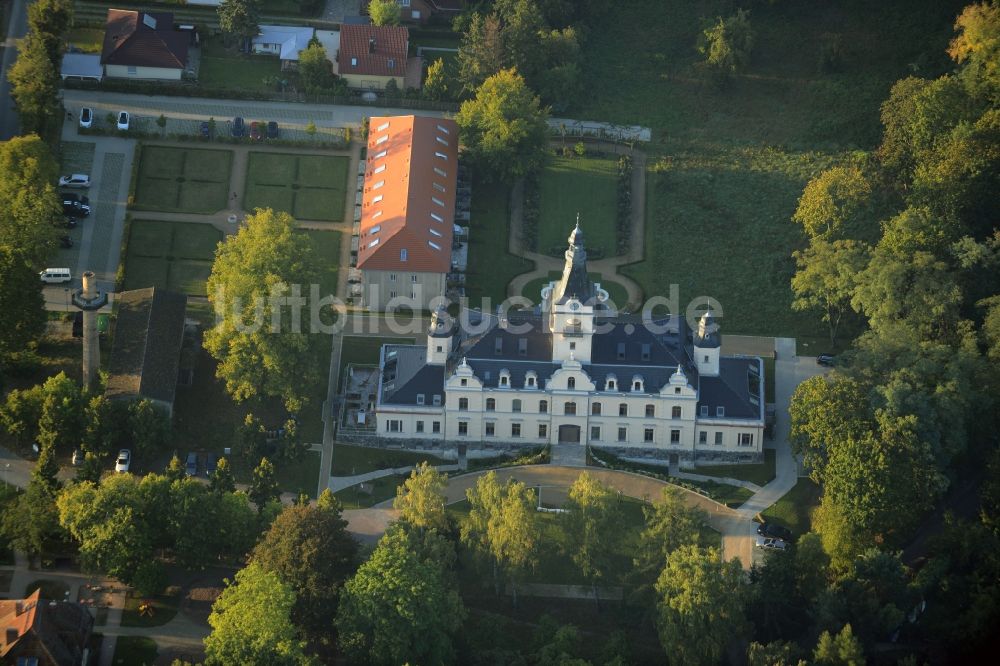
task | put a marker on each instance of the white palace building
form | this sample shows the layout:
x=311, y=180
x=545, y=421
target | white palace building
x=572, y=371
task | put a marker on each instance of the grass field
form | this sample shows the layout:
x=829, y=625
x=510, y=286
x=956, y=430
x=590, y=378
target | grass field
x=491, y=267
x=227, y=68
x=350, y=460
x=183, y=180
x=381, y=489
x=794, y=510
x=164, y=610
x=135, y=651
x=327, y=247
x=87, y=40
x=761, y=474
x=571, y=185
x=170, y=255
x=728, y=164
x=616, y=292
x=309, y=187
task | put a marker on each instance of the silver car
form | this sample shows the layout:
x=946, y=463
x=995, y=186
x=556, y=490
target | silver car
x=768, y=543
x=75, y=180
x=123, y=461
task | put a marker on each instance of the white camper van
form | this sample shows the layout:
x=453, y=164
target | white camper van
x=55, y=275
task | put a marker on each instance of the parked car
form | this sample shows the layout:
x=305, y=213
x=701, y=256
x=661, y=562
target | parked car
x=86, y=117
x=55, y=275
x=211, y=464
x=771, y=544
x=239, y=127
x=272, y=130
x=75, y=180
x=255, y=134
x=774, y=531
x=827, y=360
x=191, y=468
x=123, y=120
x=74, y=205
x=205, y=129
x=124, y=461
x=65, y=241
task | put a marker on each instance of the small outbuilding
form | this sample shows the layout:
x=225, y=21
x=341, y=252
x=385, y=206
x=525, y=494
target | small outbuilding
x=284, y=41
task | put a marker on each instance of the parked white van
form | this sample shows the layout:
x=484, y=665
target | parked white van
x=55, y=275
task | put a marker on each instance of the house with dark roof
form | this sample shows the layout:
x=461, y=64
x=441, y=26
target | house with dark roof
x=143, y=45
x=145, y=354
x=573, y=371
x=407, y=211
x=421, y=11
x=371, y=55
x=44, y=633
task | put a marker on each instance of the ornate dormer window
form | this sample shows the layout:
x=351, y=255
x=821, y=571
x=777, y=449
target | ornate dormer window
x=505, y=378
x=530, y=379
x=611, y=383
x=637, y=384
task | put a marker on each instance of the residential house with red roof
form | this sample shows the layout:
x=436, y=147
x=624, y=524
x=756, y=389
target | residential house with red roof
x=45, y=633
x=370, y=56
x=143, y=45
x=407, y=211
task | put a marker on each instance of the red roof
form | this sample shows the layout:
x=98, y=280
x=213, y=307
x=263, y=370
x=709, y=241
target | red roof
x=408, y=206
x=143, y=39
x=385, y=57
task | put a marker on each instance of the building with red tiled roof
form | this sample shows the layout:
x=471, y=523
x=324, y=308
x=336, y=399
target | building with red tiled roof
x=370, y=55
x=407, y=210
x=143, y=45
x=43, y=632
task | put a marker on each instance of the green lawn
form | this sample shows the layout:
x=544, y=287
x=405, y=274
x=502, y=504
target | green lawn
x=170, y=255
x=761, y=474
x=301, y=476
x=183, y=180
x=87, y=40
x=350, y=460
x=164, y=610
x=135, y=651
x=616, y=292
x=309, y=187
x=723, y=493
x=228, y=68
x=587, y=186
x=382, y=489
x=794, y=510
x=729, y=164
x=364, y=350
x=491, y=267
x=327, y=247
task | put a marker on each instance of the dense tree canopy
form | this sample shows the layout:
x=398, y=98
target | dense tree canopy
x=384, y=12
x=239, y=18
x=420, y=499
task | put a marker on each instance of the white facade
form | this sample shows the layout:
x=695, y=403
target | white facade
x=138, y=72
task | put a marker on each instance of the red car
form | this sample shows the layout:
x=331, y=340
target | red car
x=255, y=133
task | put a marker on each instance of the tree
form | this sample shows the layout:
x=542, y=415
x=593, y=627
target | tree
x=258, y=342
x=384, y=12
x=482, y=53
x=592, y=527
x=436, y=81
x=149, y=426
x=314, y=68
x=21, y=412
x=61, y=421
x=726, y=45
x=420, y=499
x=46, y=470
x=252, y=622
x=778, y=653
x=49, y=20
x=312, y=552
x=977, y=46
x=263, y=484
x=34, y=81
x=824, y=412
x=833, y=203
x=840, y=650
x=670, y=524
x=402, y=605
x=32, y=523
x=161, y=122
x=21, y=302
x=175, y=469
x=311, y=129
x=501, y=525
x=504, y=128
x=239, y=18
x=222, y=480
x=32, y=204
x=700, y=605
x=827, y=278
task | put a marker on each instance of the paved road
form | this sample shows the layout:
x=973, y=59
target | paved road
x=10, y=124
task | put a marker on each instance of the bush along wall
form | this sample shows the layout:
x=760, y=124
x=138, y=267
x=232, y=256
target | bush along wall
x=624, y=203
x=530, y=211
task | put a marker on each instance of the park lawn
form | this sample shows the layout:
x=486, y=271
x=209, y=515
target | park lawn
x=87, y=40
x=165, y=608
x=586, y=186
x=183, y=180
x=135, y=651
x=761, y=474
x=616, y=292
x=381, y=489
x=227, y=68
x=300, y=476
x=170, y=255
x=728, y=164
x=364, y=350
x=350, y=460
x=326, y=244
x=308, y=187
x=491, y=267
x=794, y=510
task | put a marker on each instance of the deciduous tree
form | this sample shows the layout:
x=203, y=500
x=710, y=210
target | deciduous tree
x=827, y=278
x=420, y=499
x=977, y=46
x=263, y=484
x=833, y=204
x=315, y=71
x=840, y=650
x=592, y=526
x=384, y=12
x=34, y=81
x=726, y=45
x=239, y=18
x=670, y=524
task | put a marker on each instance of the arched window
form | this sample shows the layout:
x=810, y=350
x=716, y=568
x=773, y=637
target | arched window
x=491, y=404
